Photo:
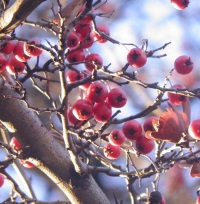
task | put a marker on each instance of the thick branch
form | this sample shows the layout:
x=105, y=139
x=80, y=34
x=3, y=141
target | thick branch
x=46, y=152
x=16, y=14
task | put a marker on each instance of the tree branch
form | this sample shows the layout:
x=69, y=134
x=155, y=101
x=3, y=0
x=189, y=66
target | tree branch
x=44, y=151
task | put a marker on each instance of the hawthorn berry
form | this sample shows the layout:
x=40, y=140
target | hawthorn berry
x=112, y=152
x=82, y=109
x=19, y=52
x=144, y=145
x=198, y=200
x=97, y=92
x=7, y=47
x=26, y=164
x=14, y=66
x=73, y=40
x=98, y=36
x=194, y=129
x=73, y=76
x=72, y=119
x=132, y=129
x=75, y=56
x=3, y=62
x=177, y=99
x=148, y=124
x=102, y=112
x=15, y=144
x=116, y=137
x=31, y=50
x=87, y=41
x=83, y=30
x=136, y=57
x=183, y=65
x=180, y=4
x=93, y=60
x=2, y=179
x=116, y=98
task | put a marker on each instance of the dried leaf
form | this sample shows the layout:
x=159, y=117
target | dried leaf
x=195, y=170
x=170, y=126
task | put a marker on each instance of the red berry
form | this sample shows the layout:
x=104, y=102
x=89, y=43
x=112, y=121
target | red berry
x=177, y=99
x=137, y=57
x=93, y=60
x=194, y=129
x=87, y=41
x=101, y=29
x=85, y=86
x=15, y=144
x=2, y=179
x=72, y=119
x=198, y=200
x=19, y=52
x=14, y=66
x=112, y=152
x=117, y=98
x=3, y=62
x=73, y=76
x=102, y=112
x=83, y=30
x=82, y=109
x=132, y=130
x=76, y=56
x=144, y=145
x=31, y=50
x=116, y=137
x=26, y=163
x=148, y=124
x=183, y=65
x=180, y=4
x=73, y=40
x=7, y=47
x=97, y=92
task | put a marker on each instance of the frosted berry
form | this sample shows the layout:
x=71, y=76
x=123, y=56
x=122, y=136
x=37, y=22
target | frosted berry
x=136, y=57
x=183, y=65
x=117, y=98
x=112, y=152
x=97, y=92
x=93, y=60
x=82, y=109
x=132, y=129
x=194, y=129
x=116, y=137
x=180, y=4
x=144, y=145
x=177, y=99
x=102, y=112
x=31, y=50
x=15, y=144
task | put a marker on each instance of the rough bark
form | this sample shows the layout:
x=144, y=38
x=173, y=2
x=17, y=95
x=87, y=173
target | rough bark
x=16, y=14
x=45, y=151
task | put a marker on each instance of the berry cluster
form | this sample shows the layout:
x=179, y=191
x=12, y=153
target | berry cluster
x=13, y=55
